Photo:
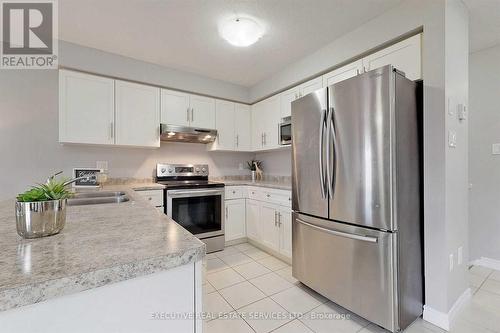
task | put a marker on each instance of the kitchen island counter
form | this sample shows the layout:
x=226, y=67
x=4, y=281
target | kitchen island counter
x=100, y=245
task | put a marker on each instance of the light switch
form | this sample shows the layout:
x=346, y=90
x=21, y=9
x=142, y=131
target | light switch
x=461, y=112
x=452, y=139
x=495, y=149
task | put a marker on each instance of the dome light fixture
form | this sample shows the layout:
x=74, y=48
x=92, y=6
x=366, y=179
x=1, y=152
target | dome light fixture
x=241, y=31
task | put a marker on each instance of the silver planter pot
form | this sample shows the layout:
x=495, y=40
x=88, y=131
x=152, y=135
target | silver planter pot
x=39, y=219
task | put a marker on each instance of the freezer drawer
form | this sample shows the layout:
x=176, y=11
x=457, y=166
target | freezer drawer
x=352, y=266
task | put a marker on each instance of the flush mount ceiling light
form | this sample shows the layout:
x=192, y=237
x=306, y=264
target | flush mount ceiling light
x=241, y=31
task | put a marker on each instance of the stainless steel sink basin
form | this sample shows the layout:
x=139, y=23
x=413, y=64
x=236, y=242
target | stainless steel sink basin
x=96, y=198
x=98, y=194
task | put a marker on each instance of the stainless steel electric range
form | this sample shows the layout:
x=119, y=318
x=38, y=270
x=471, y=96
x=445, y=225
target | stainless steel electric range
x=194, y=202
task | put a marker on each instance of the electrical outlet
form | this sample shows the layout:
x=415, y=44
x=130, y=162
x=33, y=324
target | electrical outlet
x=452, y=139
x=451, y=262
x=460, y=256
x=103, y=165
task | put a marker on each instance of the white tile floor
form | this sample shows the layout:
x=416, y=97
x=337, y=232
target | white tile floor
x=247, y=290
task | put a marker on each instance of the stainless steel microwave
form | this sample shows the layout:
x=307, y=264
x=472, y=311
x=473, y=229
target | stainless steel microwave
x=285, y=133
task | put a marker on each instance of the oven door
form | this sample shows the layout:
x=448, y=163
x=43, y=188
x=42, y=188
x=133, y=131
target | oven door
x=199, y=211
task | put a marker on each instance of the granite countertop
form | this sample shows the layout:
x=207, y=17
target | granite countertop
x=267, y=184
x=100, y=244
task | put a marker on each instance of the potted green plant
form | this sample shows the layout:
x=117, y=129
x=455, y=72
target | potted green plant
x=252, y=166
x=41, y=210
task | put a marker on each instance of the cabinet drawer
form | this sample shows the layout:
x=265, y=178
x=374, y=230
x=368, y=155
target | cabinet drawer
x=255, y=193
x=234, y=192
x=279, y=197
x=154, y=197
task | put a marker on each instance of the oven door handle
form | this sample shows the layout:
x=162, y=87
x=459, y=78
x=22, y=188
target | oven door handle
x=193, y=193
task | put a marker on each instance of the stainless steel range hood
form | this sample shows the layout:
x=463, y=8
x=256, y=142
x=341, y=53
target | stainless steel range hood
x=174, y=133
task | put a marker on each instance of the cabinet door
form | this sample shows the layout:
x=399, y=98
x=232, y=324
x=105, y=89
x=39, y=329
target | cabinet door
x=224, y=123
x=405, y=56
x=253, y=219
x=311, y=86
x=86, y=108
x=286, y=99
x=137, y=114
x=202, y=111
x=269, y=223
x=271, y=122
x=285, y=224
x=243, y=121
x=343, y=73
x=235, y=219
x=258, y=119
x=174, y=108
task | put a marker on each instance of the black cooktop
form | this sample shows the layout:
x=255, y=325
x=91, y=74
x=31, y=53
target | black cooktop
x=192, y=183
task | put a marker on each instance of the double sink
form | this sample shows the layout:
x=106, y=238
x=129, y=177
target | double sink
x=96, y=198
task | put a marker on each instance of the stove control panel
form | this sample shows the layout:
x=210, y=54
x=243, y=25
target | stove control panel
x=186, y=170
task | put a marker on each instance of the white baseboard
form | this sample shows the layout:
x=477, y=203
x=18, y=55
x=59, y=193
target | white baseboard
x=487, y=262
x=446, y=320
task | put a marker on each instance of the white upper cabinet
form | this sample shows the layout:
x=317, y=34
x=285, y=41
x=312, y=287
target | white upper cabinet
x=287, y=97
x=243, y=121
x=175, y=108
x=202, y=111
x=178, y=108
x=343, y=73
x=137, y=114
x=225, y=125
x=86, y=108
x=405, y=56
x=311, y=86
x=265, y=121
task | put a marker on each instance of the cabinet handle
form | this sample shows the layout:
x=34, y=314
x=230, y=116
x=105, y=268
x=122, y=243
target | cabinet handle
x=268, y=195
x=187, y=115
x=226, y=212
x=279, y=219
x=237, y=140
x=192, y=114
x=275, y=219
x=262, y=139
x=265, y=138
x=111, y=130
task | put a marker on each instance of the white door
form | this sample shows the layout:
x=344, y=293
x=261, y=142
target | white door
x=137, y=114
x=202, y=111
x=235, y=219
x=174, y=108
x=258, y=119
x=405, y=56
x=311, y=86
x=224, y=123
x=271, y=122
x=286, y=99
x=86, y=108
x=243, y=122
x=343, y=73
x=253, y=219
x=285, y=224
x=269, y=223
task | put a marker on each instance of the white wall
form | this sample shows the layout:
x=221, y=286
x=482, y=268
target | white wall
x=444, y=191
x=484, y=168
x=276, y=163
x=29, y=147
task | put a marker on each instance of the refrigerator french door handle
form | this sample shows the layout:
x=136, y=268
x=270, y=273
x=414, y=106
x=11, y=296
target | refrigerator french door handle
x=321, y=153
x=329, y=176
x=333, y=133
x=340, y=233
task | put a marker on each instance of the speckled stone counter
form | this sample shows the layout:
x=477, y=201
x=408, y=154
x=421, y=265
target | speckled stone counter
x=100, y=244
x=267, y=184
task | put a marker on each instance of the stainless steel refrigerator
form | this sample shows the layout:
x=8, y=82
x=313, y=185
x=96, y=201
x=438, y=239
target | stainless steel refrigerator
x=356, y=204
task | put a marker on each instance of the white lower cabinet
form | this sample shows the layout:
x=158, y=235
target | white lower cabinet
x=262, y=215
x=285, y=225
x=253, y=219
x=234, y=219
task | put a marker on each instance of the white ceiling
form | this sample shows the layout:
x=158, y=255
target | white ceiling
x=183, y=34
x=484, y=23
